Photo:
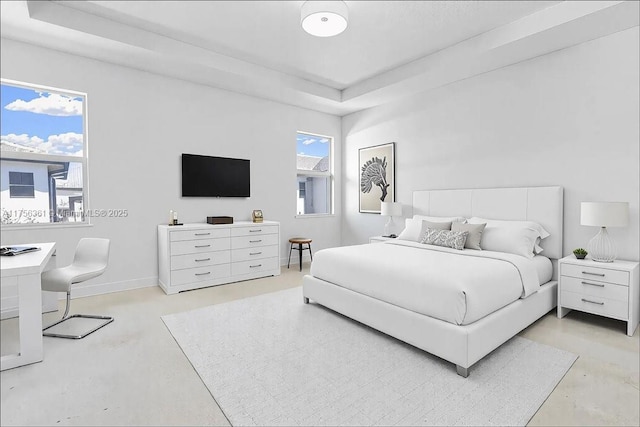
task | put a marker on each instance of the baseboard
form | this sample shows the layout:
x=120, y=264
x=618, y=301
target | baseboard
x=108, y=288
x=294, y=260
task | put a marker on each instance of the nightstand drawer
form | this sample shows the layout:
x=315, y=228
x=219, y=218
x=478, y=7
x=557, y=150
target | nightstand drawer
x=595, y=305
x=595, y=288
x=601, y=274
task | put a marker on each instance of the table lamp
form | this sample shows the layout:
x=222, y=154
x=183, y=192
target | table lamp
x=390, y=209
x=603, y=215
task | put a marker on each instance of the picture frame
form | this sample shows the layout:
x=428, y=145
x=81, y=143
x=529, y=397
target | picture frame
x=257, y=216
x=376, y=177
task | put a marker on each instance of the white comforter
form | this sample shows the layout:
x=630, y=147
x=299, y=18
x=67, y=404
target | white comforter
x=459, y=287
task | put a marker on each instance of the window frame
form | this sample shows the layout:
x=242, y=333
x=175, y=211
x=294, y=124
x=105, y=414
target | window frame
x=319, y=174
x=13, y=185
x=38, y=157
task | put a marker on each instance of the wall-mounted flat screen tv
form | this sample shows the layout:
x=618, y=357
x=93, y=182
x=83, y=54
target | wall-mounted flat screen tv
x=207, y=176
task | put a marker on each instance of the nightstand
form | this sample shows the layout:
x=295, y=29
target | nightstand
x=607, y=289
x=379, y=239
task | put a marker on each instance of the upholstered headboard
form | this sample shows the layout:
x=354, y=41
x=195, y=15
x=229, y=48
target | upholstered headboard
x=540, y=204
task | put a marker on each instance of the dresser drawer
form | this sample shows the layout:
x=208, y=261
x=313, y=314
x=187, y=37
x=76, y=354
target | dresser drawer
x=204, y=259
x=205, y=233
x=198, y=246
x=596, y=305
x=240, y=242
x=255, y=266
x=595, y=273
x=247, y=254
x=256, y=230
x=595, y=288
x=201, y=274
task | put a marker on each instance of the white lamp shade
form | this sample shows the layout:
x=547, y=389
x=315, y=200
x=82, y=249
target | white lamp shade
x=604, y=214
x=391, y=209
x=324, y=18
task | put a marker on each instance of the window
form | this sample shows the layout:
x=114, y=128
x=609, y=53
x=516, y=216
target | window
x=315, y=178
x=42, y=154
x=20, y=184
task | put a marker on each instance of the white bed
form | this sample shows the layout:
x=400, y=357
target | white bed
x=459, y=317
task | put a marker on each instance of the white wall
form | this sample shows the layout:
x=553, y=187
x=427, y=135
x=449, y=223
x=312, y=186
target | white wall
x=569, y=118
x=139, y=124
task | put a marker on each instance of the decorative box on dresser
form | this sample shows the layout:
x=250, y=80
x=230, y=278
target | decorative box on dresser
x=193, y=256
x=607, y=289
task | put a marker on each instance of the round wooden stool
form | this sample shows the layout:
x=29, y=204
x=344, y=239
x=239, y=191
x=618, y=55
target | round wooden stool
x=299, y=241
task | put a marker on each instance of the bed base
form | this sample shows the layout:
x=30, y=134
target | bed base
x=462, y=345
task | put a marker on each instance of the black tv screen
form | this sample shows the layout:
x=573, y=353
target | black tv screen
x=206, y=176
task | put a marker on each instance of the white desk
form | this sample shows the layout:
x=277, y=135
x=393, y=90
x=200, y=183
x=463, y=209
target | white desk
x=24, y=272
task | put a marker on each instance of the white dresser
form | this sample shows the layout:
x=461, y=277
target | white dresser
x=608, y=289
x=195, y=256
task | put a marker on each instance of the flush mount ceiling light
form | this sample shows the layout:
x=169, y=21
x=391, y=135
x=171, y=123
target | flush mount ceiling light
x=324, y=18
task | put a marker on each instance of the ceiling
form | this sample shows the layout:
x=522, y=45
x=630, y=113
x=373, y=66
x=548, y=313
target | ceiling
x=390, y=49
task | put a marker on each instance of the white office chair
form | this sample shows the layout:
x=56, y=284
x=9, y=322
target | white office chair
x=90, y=260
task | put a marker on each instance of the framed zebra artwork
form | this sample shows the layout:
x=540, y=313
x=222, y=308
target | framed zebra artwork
x=377, y=176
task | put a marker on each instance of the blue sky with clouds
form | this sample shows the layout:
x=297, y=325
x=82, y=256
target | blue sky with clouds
x=312, y=145
x=50, y=123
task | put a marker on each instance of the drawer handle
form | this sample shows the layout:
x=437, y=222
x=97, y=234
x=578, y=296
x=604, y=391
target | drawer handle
x=203, y=274
x=202, y=234
x=255, y=253
x=254, y=231
x=203, y=259
x=255, y=241
x=600, y=285
x=593, y=274
x=202, y=246
x=254, y=266
x=592, y=302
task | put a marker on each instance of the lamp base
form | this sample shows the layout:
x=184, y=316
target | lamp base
x=601, y=247
x=387, y=227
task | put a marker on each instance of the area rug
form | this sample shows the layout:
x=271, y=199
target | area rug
x=272, y=360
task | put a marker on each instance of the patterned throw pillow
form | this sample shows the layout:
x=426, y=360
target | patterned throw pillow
x=446, y=238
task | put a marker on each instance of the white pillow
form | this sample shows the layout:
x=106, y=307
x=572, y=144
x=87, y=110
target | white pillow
x=412, y=230
x=516, y=237
x=441, y=218
x=415, y=227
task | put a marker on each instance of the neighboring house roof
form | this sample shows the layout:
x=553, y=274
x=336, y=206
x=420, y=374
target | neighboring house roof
x=312, y=163
x=12, y=147
x=67, y=174
x=323, y=164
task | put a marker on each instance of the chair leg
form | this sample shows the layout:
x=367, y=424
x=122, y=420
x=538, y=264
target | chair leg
x=66, y=308
x=66, y=317
x=300, y=254
x=310, y=254
x=290, y=249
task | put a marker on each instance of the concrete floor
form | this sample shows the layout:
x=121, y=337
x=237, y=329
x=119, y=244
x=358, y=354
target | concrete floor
x=132, y=372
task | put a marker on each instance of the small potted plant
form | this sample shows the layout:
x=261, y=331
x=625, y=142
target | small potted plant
x=580, y=253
